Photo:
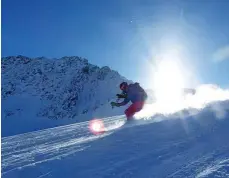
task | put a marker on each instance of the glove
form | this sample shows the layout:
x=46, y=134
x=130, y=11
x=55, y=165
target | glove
x=121, y=95
x=113, y=104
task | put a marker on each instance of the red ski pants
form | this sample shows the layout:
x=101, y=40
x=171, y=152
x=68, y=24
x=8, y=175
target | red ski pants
x=133, y=108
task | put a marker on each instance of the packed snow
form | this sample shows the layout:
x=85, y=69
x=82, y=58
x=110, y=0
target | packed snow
x=162, y=146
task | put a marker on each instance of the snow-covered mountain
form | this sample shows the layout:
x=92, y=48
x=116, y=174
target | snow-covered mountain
x=69, y=89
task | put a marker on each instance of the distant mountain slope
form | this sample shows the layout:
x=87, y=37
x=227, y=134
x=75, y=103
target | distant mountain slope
x=64, y=88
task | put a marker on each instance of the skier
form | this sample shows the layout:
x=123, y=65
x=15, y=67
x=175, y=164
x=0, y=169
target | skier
x=134, y=93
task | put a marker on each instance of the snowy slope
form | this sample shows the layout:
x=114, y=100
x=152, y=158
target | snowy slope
x=164, y=146
x=39, y=93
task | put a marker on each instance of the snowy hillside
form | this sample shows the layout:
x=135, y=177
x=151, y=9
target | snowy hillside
x=40, y=93
x=164, y=146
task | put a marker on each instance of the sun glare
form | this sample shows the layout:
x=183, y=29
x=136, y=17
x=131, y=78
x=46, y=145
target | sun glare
x=168, y=84
x=168, y=81
x=170, y=75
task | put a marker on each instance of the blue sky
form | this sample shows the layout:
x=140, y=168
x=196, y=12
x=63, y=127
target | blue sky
x=123, y=34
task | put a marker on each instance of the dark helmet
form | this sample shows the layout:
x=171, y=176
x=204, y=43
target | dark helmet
x=123, y=85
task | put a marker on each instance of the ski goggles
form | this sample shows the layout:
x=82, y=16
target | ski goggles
x=123, y=87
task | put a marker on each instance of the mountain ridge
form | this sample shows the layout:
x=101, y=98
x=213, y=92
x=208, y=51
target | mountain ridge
x=68, y=87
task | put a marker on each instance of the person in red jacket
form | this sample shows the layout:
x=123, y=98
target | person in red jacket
x=134, y=93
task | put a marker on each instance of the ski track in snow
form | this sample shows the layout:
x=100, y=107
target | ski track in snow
x=36, y=147
x=170, y=148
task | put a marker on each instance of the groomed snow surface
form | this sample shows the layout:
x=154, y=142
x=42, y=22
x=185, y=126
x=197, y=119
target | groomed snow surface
x=164, y=146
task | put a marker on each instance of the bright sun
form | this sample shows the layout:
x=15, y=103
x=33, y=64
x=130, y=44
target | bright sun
x=168, y=86
x=169, y=79
x=168, y=83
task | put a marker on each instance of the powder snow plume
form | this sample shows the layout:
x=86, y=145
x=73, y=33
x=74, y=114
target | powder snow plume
x=175, y=102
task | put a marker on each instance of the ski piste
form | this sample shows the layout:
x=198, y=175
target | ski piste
x=194, y=146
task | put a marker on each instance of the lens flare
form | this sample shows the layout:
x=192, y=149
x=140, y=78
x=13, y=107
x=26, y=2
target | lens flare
x=96, y=126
